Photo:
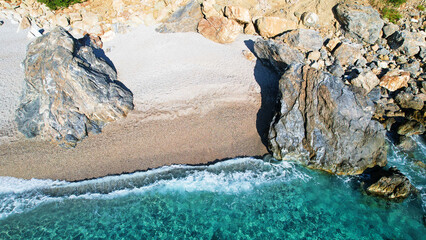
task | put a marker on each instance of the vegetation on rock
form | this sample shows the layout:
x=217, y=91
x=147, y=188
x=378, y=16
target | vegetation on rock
x=55, y=4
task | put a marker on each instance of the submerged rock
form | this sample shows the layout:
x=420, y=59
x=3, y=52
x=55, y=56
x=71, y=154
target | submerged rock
x=325, y=125
x=68, y=90
x=391, y=185
x=361, y=22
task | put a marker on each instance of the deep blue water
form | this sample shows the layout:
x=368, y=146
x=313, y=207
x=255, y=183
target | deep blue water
x=242, y=198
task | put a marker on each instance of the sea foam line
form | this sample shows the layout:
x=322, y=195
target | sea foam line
x=228, y=177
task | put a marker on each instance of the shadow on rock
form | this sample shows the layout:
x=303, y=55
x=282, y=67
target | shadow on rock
x=268, y=82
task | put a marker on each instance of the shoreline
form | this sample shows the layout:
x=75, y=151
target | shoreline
x=142, y=146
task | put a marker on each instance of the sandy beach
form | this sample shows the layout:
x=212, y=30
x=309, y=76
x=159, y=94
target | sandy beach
x=196, y=102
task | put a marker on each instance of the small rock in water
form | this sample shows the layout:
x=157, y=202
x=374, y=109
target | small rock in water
x=390, y=184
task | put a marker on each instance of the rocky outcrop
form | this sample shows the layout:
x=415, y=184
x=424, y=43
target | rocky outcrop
x=325, y=125
x=69, y=91
x=184, y=19
x=390, y=184
x=361, y=22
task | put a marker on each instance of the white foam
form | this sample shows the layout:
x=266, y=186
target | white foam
x=232, y=176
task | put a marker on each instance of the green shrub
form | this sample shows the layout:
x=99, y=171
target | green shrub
x=55, y=4
x=392, y=14
x=421, y=7
x=397, y=3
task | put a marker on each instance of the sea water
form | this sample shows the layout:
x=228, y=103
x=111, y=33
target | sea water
x=242, y=198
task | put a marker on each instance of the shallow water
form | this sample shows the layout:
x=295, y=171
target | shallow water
x=242, y=198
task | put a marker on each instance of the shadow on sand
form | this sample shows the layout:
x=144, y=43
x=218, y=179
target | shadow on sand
x=268, y=82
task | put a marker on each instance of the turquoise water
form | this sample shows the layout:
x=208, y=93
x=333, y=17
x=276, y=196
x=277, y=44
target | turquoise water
x=242, y=198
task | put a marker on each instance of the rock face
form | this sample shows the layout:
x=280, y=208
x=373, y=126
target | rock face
x=361, y=22
x=219, y=29
x=276, y=54
x=69, y=91
x=273, y=26
x=393, y=185
x=184, y=19
x=325, y=125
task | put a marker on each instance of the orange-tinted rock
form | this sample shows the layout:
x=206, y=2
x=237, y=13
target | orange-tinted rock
x=239, y=14
x=394, y=80
x=273, y=26
x=219, y=29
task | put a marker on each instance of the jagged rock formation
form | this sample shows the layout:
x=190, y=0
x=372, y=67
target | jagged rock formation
x=69, y=91
x=325, y=125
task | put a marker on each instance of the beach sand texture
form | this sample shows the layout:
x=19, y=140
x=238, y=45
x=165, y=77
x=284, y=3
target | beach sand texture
x=196, y=101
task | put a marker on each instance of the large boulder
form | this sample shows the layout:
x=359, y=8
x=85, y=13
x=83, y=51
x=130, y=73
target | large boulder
x=69, y=91
x=325, y=125
x=185, y=19
x=276, y=54
x=361, y=22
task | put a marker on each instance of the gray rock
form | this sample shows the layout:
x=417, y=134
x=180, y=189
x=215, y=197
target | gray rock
x=276, y=54
x=361, y=22
x=390, y=184
x=383, y=51
x=407, y=42
x=408, y=100
x=303, y=39
x=336, y=69
x=325, y=125
x=412, y=67
x=389, y=29
x=68, y=90
x=185, y=19
x=422, y=53
x=347, y=53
